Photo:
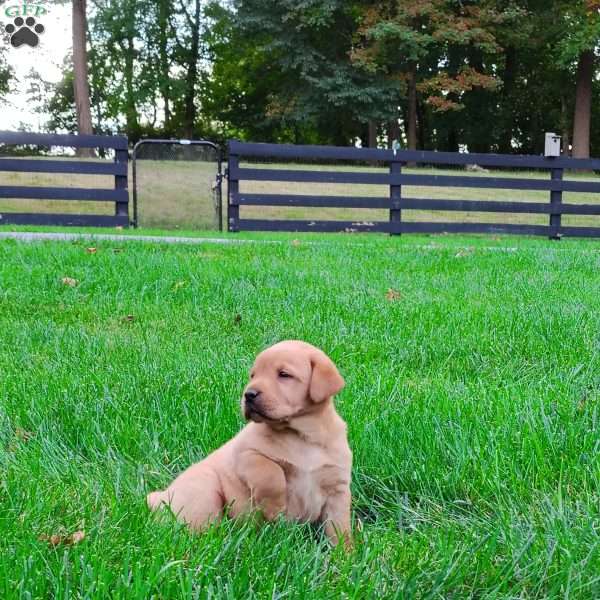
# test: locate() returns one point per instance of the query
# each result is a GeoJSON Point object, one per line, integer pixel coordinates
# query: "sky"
{"type": "Point", "coordinates": [46, 58]}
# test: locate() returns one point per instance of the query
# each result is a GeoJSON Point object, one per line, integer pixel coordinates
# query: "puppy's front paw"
{"type": "Point", "coordinates": [156, 499]}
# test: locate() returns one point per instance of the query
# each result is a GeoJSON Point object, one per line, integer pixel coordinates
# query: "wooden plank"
{"type": "Point", "coordinates": [17, 165]}
{"type": "Point", "coordinates": [66, 140]}
{"type": "Point", "coordinates": [395, 198]}
{"type": "Point", "coordinates": [497, 228]}
{"type": "Point", "coordinates": [475, 205]}
{"type": "Point", "coordinates": [122, 204]}
{"type": "Point", "coordinates": [361, 177]}
{"type": "Point", "coordinates": [305, 200]}
{"type": "Point", "coordinates": [56, 193]}
{"type": "Point", "coordinates": [509, 183]}
{"type": "Point", "coordinates": [378, 226]}
{"type": "Point", "coordinates": [233, 209]}
{"type": "Point", "coordinates": [555, 205]}
{"type": "Point", "coordinates": [376, 202]}
{"type": "Point", "coordinates": [317, 226]}
{"type": "Point", "coordinates": [248, 149]}
{"type": "Point", "coordinates": [580, 209]}
{"type": "Point", "coordinates": [290, 151]}
{"type": "Point", "coordinates": [7, 218]}
{"type": "Point", "coordinates": [305, 176]}
{"type": "Point", "coordinates": [580, 231]}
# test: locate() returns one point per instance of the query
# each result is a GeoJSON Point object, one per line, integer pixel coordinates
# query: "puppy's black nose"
{"type": "Point", "coordinates": [250, 395]}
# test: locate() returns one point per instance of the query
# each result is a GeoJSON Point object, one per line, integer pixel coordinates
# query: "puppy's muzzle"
{"type": "Point", "coordinates": [252, 407]}
{"type": "Point", "coordinates": [250, 395]}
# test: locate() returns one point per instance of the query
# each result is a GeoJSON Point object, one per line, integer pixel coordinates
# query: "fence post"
{"type": "Point", "coordinates": [121, 208]}
{"type": "Point", "coordinates": [395, 197]}
{"type": "Point", "coordinates": [233, 188]}
{"type": "Point", "coordinates": [555, 205]}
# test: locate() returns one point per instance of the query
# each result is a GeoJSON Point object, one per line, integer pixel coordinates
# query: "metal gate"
{"type": "Point", "coordinates": [177, 184]}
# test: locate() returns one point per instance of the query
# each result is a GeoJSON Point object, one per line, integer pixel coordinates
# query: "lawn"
{"type": "Point", "coordinates": [472, 399]}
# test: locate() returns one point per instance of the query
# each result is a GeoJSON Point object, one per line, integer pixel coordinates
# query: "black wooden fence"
{"type": "Point", "coordinates": [395, 202]}
{"type": "Point", "coordinates": [117, 168]}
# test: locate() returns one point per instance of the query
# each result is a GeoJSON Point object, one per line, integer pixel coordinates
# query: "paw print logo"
{"type": "Point", "coordinates": [24, 31]}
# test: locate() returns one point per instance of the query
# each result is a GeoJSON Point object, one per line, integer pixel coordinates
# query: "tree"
{"type": "Point", "coordinates": [190, 61]}
{"type": "Point", "coordinates": [437, 48]}
{"type": "Point", "coordinates": [479, 73]}
{"type": "Point", "coordinates": [5, 74]}
{"type": "Point", "coordinates": [125, 73]}
{"type": "Point", "coordinates": [289, 76]}
{"type": "Point", "coordinates": [165, 31]}
{"type": "Point", "coordinates": [80, 71]}
{"type": "Point", "coordinates": [582, 34]}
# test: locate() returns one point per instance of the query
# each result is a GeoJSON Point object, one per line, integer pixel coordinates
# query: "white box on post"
{"type": "Point", "coordinates": [552, 145]}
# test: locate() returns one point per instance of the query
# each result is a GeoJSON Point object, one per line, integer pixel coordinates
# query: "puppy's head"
{"type": "Point", "coordinates": [287, 380]}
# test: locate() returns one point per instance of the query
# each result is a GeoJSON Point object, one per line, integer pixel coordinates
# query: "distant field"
{"type": "Point", "coordinates": [178, 195]}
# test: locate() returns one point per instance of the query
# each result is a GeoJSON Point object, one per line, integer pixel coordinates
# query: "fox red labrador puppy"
{"type": "Point", "coordinates": [291, 459]}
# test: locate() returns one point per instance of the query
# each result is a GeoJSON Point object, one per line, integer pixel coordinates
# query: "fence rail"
{"type": "Point", "coordinates": [118, 169]}
{"type": "Point", "coordinates": [395, 202]}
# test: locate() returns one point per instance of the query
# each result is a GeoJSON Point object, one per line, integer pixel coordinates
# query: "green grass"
{"type": "Point", "coordinates": [473, 405]}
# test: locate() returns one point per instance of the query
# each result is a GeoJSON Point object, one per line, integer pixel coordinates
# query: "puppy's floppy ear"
{"type": "Point", "coordinates": [325, 380]}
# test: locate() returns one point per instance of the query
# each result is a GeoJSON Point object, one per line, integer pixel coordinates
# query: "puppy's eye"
{"type": "Point", "coordinates": [252, 375]}
{"type": "Point", "coordinates": [284, 374]}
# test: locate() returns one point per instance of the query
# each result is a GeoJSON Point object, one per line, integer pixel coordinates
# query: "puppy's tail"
{"type": "Point", "coordinates": [156, 499]}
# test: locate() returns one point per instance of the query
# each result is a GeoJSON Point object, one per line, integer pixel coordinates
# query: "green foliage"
{"type": "Point", "coordinates": [5, 76]}
{"type": "Point", "coordinates": [581, 29]}
{"type": "Point", "coordinates": [490, 75]}
{"type": "Point", "coordinates": [281, 71]}
{"type": "Point", "coordinates": [61, 104]}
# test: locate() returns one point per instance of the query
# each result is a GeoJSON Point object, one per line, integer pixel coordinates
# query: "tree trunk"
{"type": "Point", "coordinates": [583, 105]}
{"type": "Point", "coordinates": [565, 126]}
{"type": "Point", "coordinates": [423, 133]}
{"type": "Point", "coordinates": [393, 132]}
{"type": "Point", "coordinates": [506, 110]}
{"type": "Point", "coordinates": [80, 74]}
{"type": "Point", "coordinates": [452, 140]}
{"type": "Point", "coordinates": [372, 134]}
{"type": "Point", "coordinates": [192, 75]}
{"type": "Point", "coordinates": [411, 126]}
{"type": "Point", "coordinates": [478, 107]}
{"type": "Point", "coordinates": [128, 57]}
{"type": "Point", "coordinates": [165, 86]}
{"type": "Point", "coordinates": [131, 115]}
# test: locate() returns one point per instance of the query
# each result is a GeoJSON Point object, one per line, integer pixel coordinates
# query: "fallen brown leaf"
{"type": "Point", "coordinates": [128, 318]}
{"type": "Point", "coordinates": [65, 540]}
{"type": "Point", "coordinates": [91, 250]}
{"type": "Point", "coordinates": [392, 295]}
{"type": "Point", "coordinates": [22, 434]}
{"type": "Point", "coordinates": [70, 281]}
{"type": "Point", "coordinates": [464, 252]}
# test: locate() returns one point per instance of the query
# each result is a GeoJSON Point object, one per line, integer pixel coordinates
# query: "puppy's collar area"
{"type": "Point", "coordinates": [286, 420]}
{"type": "Point", "coordinates": [314, 431]}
